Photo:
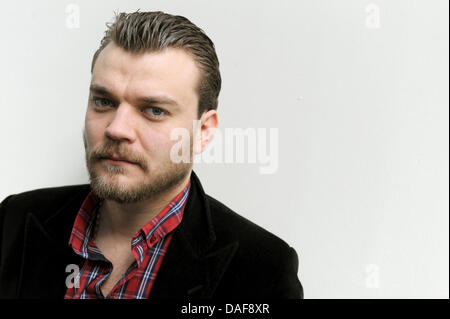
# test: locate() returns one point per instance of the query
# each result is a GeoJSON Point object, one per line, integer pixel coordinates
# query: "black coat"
{"type": "Point", "coordinates": [214, 253]}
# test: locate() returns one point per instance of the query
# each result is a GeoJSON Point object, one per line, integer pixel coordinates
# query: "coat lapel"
{"type": "Point", "coordinates": [193, 265]}
{"type": "Point", "coordinates": [183, 273]}
{"type": "Point", "coordinates": [46, 252]}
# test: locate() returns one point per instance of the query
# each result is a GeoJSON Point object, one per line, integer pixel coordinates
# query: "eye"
{"type": "Point", "coordinates": [155, 112]}
{"type": "Point", "coordinates": [101, 102]}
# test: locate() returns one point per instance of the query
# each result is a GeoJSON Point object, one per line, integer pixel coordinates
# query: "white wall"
{"type": "Point", "coordinates": [361, 107]}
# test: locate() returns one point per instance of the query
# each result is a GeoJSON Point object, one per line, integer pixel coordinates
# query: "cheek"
{"type": "Point", "coordinates": [93, 131]}
{"type": "Point", "coordinates": [158, 144]}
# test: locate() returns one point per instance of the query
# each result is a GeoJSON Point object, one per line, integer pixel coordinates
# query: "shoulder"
{"type": "Point", "coordinates": [264, 265]}
{"type": "Point", "coordinates": [41, 202]}
{"type": "Point", "coordinates": [45, 196]}
{"type": "Point", "coordinates": [231, 226]}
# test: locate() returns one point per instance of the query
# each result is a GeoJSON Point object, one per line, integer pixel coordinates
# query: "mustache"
{"type": "Point", "coordinates": [106, 152]}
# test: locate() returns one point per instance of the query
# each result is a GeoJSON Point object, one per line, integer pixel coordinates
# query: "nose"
{"type": "Point", "coordinates": [121, 127]}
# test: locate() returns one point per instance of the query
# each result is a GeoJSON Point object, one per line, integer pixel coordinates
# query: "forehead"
{"type": "Point", "coordinates": [171, 72]}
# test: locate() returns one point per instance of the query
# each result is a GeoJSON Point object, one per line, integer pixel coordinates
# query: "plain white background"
{"type": "Point", "coordinates": [357, 89]}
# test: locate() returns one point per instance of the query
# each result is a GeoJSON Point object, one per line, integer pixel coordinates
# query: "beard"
{"type": "Point", "coordinates": [108, 187]}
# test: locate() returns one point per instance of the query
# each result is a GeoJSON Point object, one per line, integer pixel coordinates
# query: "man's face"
{"type": "Point", "coordinates": [135, 102]}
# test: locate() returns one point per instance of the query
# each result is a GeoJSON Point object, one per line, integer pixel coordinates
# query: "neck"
{"type": "Point", "coordinates": [122, 221]}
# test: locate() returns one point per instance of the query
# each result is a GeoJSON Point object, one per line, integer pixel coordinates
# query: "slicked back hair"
{"type": "Point", "coordinates": [141, 32]}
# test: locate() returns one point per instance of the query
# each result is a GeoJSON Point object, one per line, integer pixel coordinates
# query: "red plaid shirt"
{"type": "Point", "coordinates": [148, 246]}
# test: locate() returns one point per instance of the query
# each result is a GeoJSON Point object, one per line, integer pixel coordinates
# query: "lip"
{"type": "Point", "coordinates": [117, 161]}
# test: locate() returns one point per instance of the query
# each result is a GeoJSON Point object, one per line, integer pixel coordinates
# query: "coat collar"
{"type": "Point", "coordinates": [192, 266]}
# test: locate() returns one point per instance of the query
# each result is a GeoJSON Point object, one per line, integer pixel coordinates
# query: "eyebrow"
{"type": "Point", "coordinates": [155, 99]}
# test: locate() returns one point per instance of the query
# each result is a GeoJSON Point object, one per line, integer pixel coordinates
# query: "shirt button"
{"type": "Point", "coordinates": [152, 239]}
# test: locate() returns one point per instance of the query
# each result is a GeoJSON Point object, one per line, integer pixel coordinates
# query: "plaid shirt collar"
{"type": "Point", "coordinates": [162, 224]}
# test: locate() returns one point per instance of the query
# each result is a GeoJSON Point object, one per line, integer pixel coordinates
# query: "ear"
{"type": "Point", "coordinates": [205, 131]}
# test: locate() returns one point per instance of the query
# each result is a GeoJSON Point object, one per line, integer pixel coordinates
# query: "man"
{"type": "Point", "coordinates": [143, 227]}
